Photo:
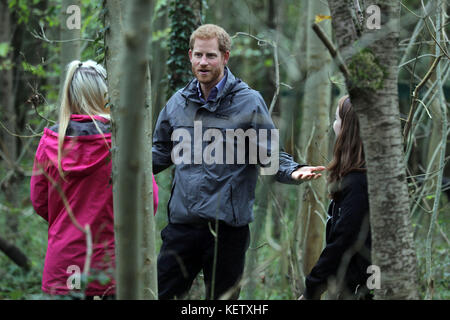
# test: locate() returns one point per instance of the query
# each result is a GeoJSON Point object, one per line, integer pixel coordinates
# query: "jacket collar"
{"type": "Point", "coordinates": [231, 85]}
{"type": "Point", "coordinates": [85, 118]}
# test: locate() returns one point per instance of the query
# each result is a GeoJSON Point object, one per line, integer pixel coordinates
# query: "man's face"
{"type": "Point", "coordinates": [207, 61]}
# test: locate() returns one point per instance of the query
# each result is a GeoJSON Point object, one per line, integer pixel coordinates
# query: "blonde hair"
{"type": "Point", "coordinates": [84, 92]}
{"type": "Point", "coordinates": [210, 31]}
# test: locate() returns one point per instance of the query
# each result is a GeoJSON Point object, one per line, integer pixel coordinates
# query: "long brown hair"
{"type": "Point", "coordinates": [348, 154]}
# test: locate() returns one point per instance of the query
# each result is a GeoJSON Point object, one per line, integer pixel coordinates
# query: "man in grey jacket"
{"type": "Point", "coordinates": [218, 133]}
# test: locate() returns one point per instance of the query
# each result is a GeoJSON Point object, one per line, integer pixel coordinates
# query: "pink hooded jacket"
{"type": "Point", "coordinates": [86, 162]}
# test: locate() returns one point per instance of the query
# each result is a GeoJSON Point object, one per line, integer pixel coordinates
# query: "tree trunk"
{"type": "Point", "coordinates": [150, 274]}
{"type": "Point", "coordinates": [114, 24]}
{"type": "Point", "coordinates": [376, 102]}
{"type": "Point", "coordinates": [314, 135]}
{"type": "Point", "coordinates": [8, 117]}
{"type": "Point", "coordinates": [128, 219]}
{"type": "Point", "coordinates": [251, 275]}
{"type": "Point", "coordinates": [70, 50]}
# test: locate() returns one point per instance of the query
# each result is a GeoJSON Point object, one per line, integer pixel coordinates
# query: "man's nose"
{"type": "Point", "coordinates": [203, 60]}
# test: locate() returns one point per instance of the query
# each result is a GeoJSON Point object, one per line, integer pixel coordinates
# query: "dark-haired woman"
{"type": "Point", "coordinates": [342, 265]}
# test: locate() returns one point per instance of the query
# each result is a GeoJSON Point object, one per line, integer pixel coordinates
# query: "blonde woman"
{"type": "Point", "coordinates": [72, 176]}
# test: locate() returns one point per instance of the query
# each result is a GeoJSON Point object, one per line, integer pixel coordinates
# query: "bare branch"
{"type": "Point", "coordinates": [415, 95]}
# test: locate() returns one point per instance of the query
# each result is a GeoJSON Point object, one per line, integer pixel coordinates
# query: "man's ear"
{"type": "Point", "coordinates": [226, 56]}
{"type": "Point", "coordinates": [190, 55]}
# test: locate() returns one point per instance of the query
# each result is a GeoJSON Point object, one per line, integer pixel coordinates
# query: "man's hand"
{"type": "Point", "coordinates": [307, 173]}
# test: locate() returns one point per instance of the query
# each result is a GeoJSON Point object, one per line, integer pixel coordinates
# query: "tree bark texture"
{"type": "Point", "coordinates": [128, 218]}
{"type": "Point", "coordinates": [314, 135]}
{"type": "Point", "coordinates": [375, 99]}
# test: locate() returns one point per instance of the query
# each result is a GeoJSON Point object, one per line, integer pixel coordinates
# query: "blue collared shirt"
{"type": "Point", "coordinates": [215, 91]}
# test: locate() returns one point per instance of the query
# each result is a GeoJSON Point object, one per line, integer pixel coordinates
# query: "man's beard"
{"type": "Point", "coordinates": [212, 78]}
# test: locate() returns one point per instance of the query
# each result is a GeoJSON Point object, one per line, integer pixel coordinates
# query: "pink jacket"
{"type": "Point", "coordinates": [87, 164]}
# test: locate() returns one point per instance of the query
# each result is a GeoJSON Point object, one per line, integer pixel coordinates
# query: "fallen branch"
{"type": "Point", "coordinates": [15, 254]}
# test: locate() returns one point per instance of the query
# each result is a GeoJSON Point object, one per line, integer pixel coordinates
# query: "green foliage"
{"type": "Point", "coordinates": [15, 283]}
{"type": "Point", "coordinates": [22, 9]}
{"type": "Point", "coordinates": [93, 28]}
{"type": "Point", "coordinates": [182, 24]}
{"type": "Point", "coordinates": [5, 63]}
{"type": "Point", "coordinates": [366, 71]}
{"type": "Point", "coordinates": [35, 70]}
{"type": "Point", "coordinates": [4, 49]}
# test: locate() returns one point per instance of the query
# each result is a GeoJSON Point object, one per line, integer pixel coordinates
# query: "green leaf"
{"type": "Point", "coordinates": [4, 49]}
{"type": "Point", "coordinates": [268, 63]}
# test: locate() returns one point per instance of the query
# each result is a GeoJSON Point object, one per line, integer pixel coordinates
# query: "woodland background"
{"type": "Point", "coordinates": [276, 52]}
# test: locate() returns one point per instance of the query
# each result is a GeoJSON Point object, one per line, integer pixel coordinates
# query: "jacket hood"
{"type": "Point", "coordinates": [231, 87]}
{"type": "Point", "coordinates": [84, 150]}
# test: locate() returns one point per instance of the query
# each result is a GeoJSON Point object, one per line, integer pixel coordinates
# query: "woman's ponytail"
{"type": "Point", "coordinates": [84, 92]}
{"type": "Point", "coordinates": [65, 110]}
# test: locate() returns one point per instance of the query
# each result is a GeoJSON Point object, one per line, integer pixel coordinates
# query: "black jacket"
{"type": "Point", "coordinates": [202, 191]}
{"type": "Point", "coordinates": [346, 255]}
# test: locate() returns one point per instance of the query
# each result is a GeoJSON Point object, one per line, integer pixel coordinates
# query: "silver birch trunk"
{"type": "Point", "coordinates": [375, 99]}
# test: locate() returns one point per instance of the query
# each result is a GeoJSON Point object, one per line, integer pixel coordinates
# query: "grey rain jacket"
{"type": "Point", "coordinates": [208, 191]}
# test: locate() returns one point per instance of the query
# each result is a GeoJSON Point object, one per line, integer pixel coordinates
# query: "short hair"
{"type": "Point", "coordinates": [210, 31]}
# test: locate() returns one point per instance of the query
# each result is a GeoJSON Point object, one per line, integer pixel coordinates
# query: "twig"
{"type": "Point", "coordinates": [277, 77]}
{"type": "Point", "coordinates": [18, 135]}
{"type": "Point", "coordinates": [416, 58]}
{"type": "Point", "coordinates": [274, 45]}
{"type": "Point", "coordinates": [444, 52]}
{"type": "Point", "coordinates": [34, 101]}
{"type": "Point", "coordinates": [416, 93]}
{"type": "Point", "coordinates": [334, 53]}
{"type": "Point", "coordinates": [44, 37]}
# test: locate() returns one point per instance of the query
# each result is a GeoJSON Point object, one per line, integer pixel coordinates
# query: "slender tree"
{"type": "Point", "coordinates": [70, 35]}
{"type": "Point", "coordinates": [150, 280]}
{"type": "Point", "coordinates": [8, 114]}
{"type": "Point", "coordinates": [127, 218]}
{"type": "Point", "coordinates": [314, 135]}
{"type": "Point", "coordinates": [114, 20]}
